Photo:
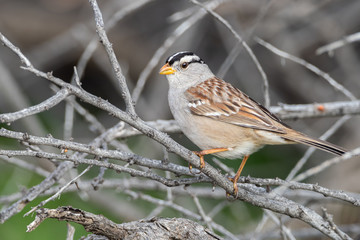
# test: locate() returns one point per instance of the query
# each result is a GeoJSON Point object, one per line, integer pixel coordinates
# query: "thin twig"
{"type": "Point", "coordinates": [25, 165]}
{"type": "Point", "coordinates": [321, 167]}
{"type": "Point", "coordinates": [284, 230]}
{"type": "Point", "coordinates": [24, 60]}
{"type": "Point", "coordinates": [154, 164]}
{"type": "Point", "coordinates": [205, 218]}
{"type": "Point", "coordinates": [181, 29]}
{"type": "Point", "coordinates": [330, 219]}
{"type": "Point", "coordinates": [70, 232]}
{"type": "Point", "coordinates": [246, 46]}
{"type": "Point", "coordinates": [99, 23]}
{"type": "Point", "coordinates": [249, 193]}
{"type": "Point", "coordinates": [309, 66]}
{"type": "Point", "coordinates": [56, 195]}
{"type": "Point", "coordinates": [337, 44]}
{"type": "Point", "coordinates": [337, 194]}
{"type": "Point", "coordinates": [41, 107]}
{"type": "Point", "coordinates": [308, 152]}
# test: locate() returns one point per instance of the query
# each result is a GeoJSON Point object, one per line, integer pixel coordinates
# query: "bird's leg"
{"type": "Point", "coordinates": [202, 153]}
{"type": "Point", "coordinates": [237, 175]}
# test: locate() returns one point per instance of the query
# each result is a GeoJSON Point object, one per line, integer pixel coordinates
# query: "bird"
{"type": "Point", "coordinates": [222, 120]}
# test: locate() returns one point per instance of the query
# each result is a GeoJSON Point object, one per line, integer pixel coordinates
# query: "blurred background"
{"type": "Point", "coordinates": [53, 34]}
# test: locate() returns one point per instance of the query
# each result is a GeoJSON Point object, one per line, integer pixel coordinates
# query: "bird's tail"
{"type": "Point", "coordinates": [320, 144]}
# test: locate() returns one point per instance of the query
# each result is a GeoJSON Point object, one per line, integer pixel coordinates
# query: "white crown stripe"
{"type": "Point", "coordinates": [176, 54]}
{"type": "Point", "coordinates": [189, 58]}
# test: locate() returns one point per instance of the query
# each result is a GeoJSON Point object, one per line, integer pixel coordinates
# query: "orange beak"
{"type": "Point", "coordinates": [166, 70]}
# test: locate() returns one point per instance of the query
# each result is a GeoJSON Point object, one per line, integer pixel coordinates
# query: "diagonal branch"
{"type": "Point", "coordinates": [246, 46]}
{"type": "Point", "coordinates": [249, 193]}
{"type": "Point", "coordinates": [99, 23]}
{"type": "Point", "coordinates": [309, 66]}
{"type": "Point", "coordinates": [41, 107]}
{"type": "Point", "coordinates": [337, 44]}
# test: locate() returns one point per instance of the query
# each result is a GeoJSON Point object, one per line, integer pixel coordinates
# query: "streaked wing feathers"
{"type": "Point", "coordinates": [230, 105]}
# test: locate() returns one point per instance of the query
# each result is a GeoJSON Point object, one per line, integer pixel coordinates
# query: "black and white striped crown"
{"type": "Point", "coordinates": [189, 56]}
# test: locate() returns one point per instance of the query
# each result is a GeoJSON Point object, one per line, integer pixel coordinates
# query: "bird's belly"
{"type": "Point", "coordinates": [240, 151]}
{"type": "Point", "coordinates": [209, 134]}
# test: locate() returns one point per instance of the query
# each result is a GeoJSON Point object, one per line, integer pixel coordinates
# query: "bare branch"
{"type": "Point", "coordinates": [25, 165]}
{"type": "Point", "coordinates": [34, 192]}
{"type": "Point", "coordinates": [132, 172]}
{"type": "Point", "coordinates": [70, 232]}
{"type": "Point", "coordinates": [338, 194]}
{"type": "Point", "coordinates": [284, 111]}
{"type": "Point", "coordinates": [56, 195]}
{"type": "Point", "coordinates": [99, 23]}
{"type": "Point", "coordinates": [330, 109]}
{"type": "Point", "coordinates": [89, 149]}
{"type": "Point", "coordinates": [329, 218]}
{"type": "Point", "coordinates": [246, 46]}
{"type": "Point", "coordinates": [249, 194]}
{"type": "Point", "coordinates": [326, 164]}
{"type": "Point", "coordinates": [305, 233]}
{"type": "Point", "coordinates": [24, 60]}
{"type": "Point", "coordinates": [309, 66]}
{"type": "Point", "coordinates": [176, 228]}
{"type": "Point", "coordinates": [310, 151]}
{"type": "Point", "coordinates": [181, 29]}
{"type": "Point", "coordinates": [337, 44]}
{"type": "Point", "coordinates": [135, 174]}
{"type": "Point", "coordinates": [43, 106]}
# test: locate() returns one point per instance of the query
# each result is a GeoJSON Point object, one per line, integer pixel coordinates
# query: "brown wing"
{"type": "Point", "coordinates": [230, 105]}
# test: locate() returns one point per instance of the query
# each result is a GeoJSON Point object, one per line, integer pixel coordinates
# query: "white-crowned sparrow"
{"type": "Point", "coordinates": [222, 120]}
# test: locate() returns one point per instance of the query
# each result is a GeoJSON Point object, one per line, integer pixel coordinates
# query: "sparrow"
{"type": "Point", "coordinates": [222, 120]}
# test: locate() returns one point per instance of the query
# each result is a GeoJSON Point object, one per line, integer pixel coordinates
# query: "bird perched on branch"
{"type": "Point", "coordinates": [220, 119]}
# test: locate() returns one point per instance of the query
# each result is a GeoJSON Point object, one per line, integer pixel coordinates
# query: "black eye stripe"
{"type": "Point", "coordinates": [185, 65]}
{"type": "Point", "coordinates": [193, 61]}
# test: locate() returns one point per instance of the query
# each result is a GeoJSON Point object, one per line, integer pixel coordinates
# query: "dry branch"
{"type": "Point", "coordinates": [162, 173]}
{"type": "Point", "coordinates": [248, 193]}
{"type": "Point", "coordinates": [162, 228]}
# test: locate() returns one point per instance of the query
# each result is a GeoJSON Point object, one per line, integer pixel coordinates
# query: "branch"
{"type": "Point", "coordinates": [203, 192]}
{"type": "Point", "coordinates": [284, 111]}
{"type": "Point", "coordinates": [248, 193]}
{"type": "Point", "coordinates": [309, 66]}
{"type": "Point", "coordinates": [180, 30]}
{"type": "Point", "coordinates": [84, 148]}
{"type": "Point", "coordinates": [176, 228]}
{"type": "Point", "coordinates": [99, 23]}
{"type": "Point", "coordinates": [24, 60]}
{"type": "Point", "coordinates": [93, 44]}
{"type": "Point", "coordinates": [180, 209]}
{"type": "Point", "coordinates": [25, 165]}
{"type": "Point", "coordinates": [118, 168]}
{"type": "Point", "coordinates": [337, 194]}
{"type": "Point", "coordinates": [44, 106]}
{"type": "Point", "coordinates": [329, 109]}
{"type": "Point", "coordinates": [304, 233]}
{"type": "Point", "coordinates": [337, 44]}
{"type": "Point", "coordinates": [32, 193]}
{"type": "Point", "coordinates": [321, 167]}
{"type": "Point", "coordinates": [245, 45]}
{"type": "Point", "coordinates": [58, 193]}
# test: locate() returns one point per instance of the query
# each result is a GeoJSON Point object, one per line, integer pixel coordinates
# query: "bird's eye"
{"type": "Point", "coordinates": [184, 65]}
